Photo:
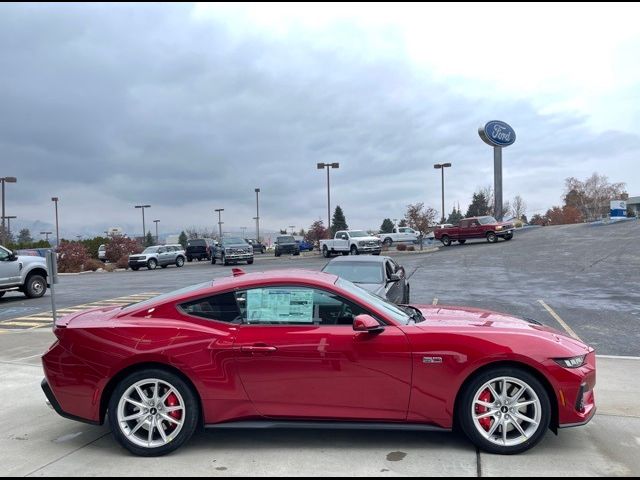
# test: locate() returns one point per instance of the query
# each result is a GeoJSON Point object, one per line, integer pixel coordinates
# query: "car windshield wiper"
{"type": "Point", "coordinates": [414, 313]}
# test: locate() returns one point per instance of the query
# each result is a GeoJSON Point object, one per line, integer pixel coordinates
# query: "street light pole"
{"type": "Point", "coordinates": [4, 180]}
{"type": "Point", "coordinates": [442, 166]}
{"type": "Point", "coordinates": [257, 218]}
{"type": "Point", "coordinates": [46, 234]}
{"type": "Point", "coordinates": [144, 228]}
{"type": "Point", "coordinates": [55, 200]}
{"type": "Point", "coordinates": [328, 166]}
{"type": "Point", "coordinates": [157, 239]}
{"type": "Point", "coordinates": [220, 210]}
{"type": "Point", "coordinates": [9, 218]}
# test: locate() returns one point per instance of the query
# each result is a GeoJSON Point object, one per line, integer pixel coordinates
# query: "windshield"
{"type": "Point", "coordinates": [356, 272]}
{"type": "Point", "coordinates": [164, 296]}
{"type": "Point", "coordinates": [151, 250]}
{"type": "Point", "coordinates": [374, 300]}
{"type": "Point", "coordinates": [357, 233]}
{"type": "Point", "coordinates": [487, 220]}
{"type": "Point", "coordinates": [286, 239]}
{"type": "Point", "coordinates": [232, 240]}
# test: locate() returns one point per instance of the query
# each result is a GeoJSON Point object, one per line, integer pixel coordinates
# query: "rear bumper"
{"type": "Point", "coordinates": [53, 403]}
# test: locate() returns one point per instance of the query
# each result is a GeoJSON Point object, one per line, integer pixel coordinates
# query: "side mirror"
{"type": "Point", "coordinates": [366, 323]}
{"type": "Point", "coordinates": [394, 277]}
{"type": "Point", "coordinates": [12, 257]}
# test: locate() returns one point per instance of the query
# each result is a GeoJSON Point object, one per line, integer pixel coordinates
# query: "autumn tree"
{"type": "Point", "coordinates": [591, 197]}
{"type": "Point", "coordinates": [420, 218]}
{"type": "Point", "coordinates": [316, 232]}
{"type": "Point", "coordinates": [563, 215]}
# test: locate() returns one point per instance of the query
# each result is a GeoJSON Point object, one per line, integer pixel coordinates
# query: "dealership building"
{"type": "Point", "coordinates": [633, 205]}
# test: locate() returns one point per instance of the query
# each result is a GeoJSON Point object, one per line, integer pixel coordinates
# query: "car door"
{"type": "Point", "coordinates": [299, 357]}
{"type": "Point", "coordinates": [341, 241]}
{"type": "Point", "coordinates": [9, 269]}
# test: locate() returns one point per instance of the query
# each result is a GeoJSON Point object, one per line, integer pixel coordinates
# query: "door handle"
{"type": "Point", "coordinates": [257, 349]}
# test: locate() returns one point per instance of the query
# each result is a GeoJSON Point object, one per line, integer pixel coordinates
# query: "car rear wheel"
{"type": "Point", "coordinates": [152, 264]}
{"type": "Point", "coordinates": [180, 261]}
{"type": "Point", "coordinates": [504, 410]}
{"type": "Point", "coordinates": [153, 412]}
{"type": "Point", "coordinates": [491, 237]}
{"type": "Point", "coordinates": [325, 251]}
{"type": "Point", "coordinates": [35, 286]}
{"type": "Point", "coordinates": [446, 241]}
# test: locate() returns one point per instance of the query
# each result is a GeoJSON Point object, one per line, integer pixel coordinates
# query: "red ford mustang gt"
{"type": "Point", "coordinates": [311, 350]}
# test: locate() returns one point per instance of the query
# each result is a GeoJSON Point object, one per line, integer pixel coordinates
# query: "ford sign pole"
{"type": "Point", "coordinates": [52, 269]}
{"type": "Point", "coordinates": [497, 134]}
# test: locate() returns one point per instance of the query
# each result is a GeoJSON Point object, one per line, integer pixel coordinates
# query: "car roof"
{"type": "Point", "coordinates": [361, 259]}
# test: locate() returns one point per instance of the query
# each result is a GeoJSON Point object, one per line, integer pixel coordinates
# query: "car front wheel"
{"type": "Point", "coordinates": [180, 261]}
{"type": "Point", "coordinates": [354, 250]}
{"type": "Point", "coordinates": [446, 241]}
{"type": "Point", "coordinates": [504, 410]}
{"type": "Point", "coordinates": [35, 286]}
{"type": "Point", "coordinates": [153, 412]}
{"type": "Point", "coordinates": [152, 264]}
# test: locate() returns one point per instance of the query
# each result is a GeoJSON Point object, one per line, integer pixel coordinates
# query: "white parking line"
{"type": "Point", "coordinates": [617, 357]}
{"type": "Point", "coordinates": [568, 329]}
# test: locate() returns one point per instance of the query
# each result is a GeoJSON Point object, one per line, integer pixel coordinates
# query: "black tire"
{"type": "Point", "coordinates": [189, 259]}
{"type": "Point", "coordinates": [190, 419]}
{"type": "Point", "coordinates": [250, 262]}
{"type": "Point", "coordinates": [263, 250]}
{"type": "Point", "coordinates": [345, 253]}
{"type": "Point", "coordinates": [354, 250]}
{"type": "Point", "coordinates": [492, 237]}
{"type": "Point", "coordinates": [35, 286]}
{"type": "Point", "coordinates": [462, 242]}
{"type": "Point", "coordinates": [465, 413]}
{"type": "Point", "coordinates": [388, 241]}
{"type": "Point", "coordinates": [213, 259]}
{"type": "Point", "coordinates": [325, 252]}
{"type": "Point", "coordinates": [152, 264]}
{"type": "Point", "coordinates": [224, 260]}
{"type": "Point", "coordinates": [2, 294]}
{"type": "Point", "coordinates": [135, 269]}
{"type": "Point", "coordinates": [277, 253]}
{"type": "Point", "coordinates": [446, 241]}
{"type": "Point", "coordinates": [180, 261]}
{"type": "Point", "coordinates": [508, 237]}
{"type": "Point", "coordinates": [375, 253]}
{"type": "Point", "coordinates": [164, 266]}
{"type": "Point", "coordinates": [296, 253]}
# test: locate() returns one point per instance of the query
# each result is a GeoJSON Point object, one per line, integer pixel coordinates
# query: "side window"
{"type": "Point", "coordinates": [464, 223]}
{"type": "Point", "coordinates": [389, 268]}
{"type": "Point", "coordinates": [295, 306]}
{"type": "Point", "coordinates": [4, 255]}
{"type": "Point", "coordinates": [223, 308]}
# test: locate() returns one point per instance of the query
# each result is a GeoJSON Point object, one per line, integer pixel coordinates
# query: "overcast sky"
{"type": "Point", "coordinates": [190, 107]}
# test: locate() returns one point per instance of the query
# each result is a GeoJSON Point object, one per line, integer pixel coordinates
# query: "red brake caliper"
{"type": "Point", "coordinates": [486, 421]}
{"type": "Point", "coordinates": [172, 401]}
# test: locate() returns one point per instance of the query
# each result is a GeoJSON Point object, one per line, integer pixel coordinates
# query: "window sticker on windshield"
{"type": "Point", "coordinates": [279, 305]}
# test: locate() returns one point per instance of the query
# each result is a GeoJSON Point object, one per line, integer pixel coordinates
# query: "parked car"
{"type": "Point", "coordinates": [24, 273]}
{"type": "Point", "coordinates": [102, 253]}
{"type": "Point", "coordinates": [352, 242]}
{"type": "Point", "coordinates": [486, 227]}
{"type": "Point", "coordinates": [232, 249]}
{"type": "Point", "coordinates": [303, 245]}
{"type": "Point", "coordinates": [258, 247]}
{"type": "Point", "coordinates": [377, 274]}
{"type": "Point", "coordinates": [298, 348]}
{"type": "Point", "coordinates": [198, 248]}
{"type": "Point", "coordinates": [159, 255]}
{"type": "Point", "coordinates": [286, 244]}
{"type": "Point", "coordinates": [400, 234]}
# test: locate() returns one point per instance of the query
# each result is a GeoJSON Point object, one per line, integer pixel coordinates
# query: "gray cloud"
{"type": "Point", "coordinates": [107, 106]}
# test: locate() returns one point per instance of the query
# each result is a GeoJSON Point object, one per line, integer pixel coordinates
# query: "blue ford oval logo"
{"type": "Point", "coordinates": [497, 134]}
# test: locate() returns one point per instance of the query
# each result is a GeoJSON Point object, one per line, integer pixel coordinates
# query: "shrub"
{"type": "Point", "coordinates": [119, 247]}
{"type": "Point", "coordinates": [109, 267]}
{"type": "Point", "coordinates": [401, 247]}
{"type": "Point", "coordinates": [411, 248]}
{"type": "Point", "coordinates": [71, 257]}
{"type": "Point", "coordinates": [93, 265]}
{"type": "Point", "coordinates": [123, 262]}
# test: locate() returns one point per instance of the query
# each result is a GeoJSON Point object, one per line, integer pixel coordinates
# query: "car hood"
{"type": "Point", "coordinates": [465, 317]}
{"type": "Point", "coordinates": [377, 288]}
{"type": "Point", "coordinates": [236, 245]}
{"type": "Point", "coordinates": [369, 238]}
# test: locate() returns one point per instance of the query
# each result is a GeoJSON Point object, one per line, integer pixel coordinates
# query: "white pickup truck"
{"type": "Point", "coordinates": [399, 234]}
{"type": "Point", "coordinates": [23, 273]}
{"type": "Point", "coordinates": [352, 242]}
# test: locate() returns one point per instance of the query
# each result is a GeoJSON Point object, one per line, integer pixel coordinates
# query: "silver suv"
{"type": "Point", "coordinates": [26, 274]}
{"type": "Point", "coordinates": [159, 255]}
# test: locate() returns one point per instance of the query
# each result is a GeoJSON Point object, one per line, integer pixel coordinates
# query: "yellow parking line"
{"type": "Point", "coordinates": [559, 320]}
{"type": "Point", "coordinates": [435, 301]}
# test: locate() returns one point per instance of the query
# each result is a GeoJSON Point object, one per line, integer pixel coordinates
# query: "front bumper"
{"type": "Point", "coordinates": [137, 263]}
{"type": "Point", "coordinates": [370, 249]}
{"type": "Point", "coordinates": [504, 233]}
{"type": "Point", "coordinates": [576, 400]}
{"type": "Point", "coordinates": [238, 256]}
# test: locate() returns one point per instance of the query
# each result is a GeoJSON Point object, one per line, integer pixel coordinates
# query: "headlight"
{"type": "Point", "coordinates": [361, 244]}
{"type": "Point", "coordinates": [573, 362]}
{"type": "Point", "coordinates": [499, 227]}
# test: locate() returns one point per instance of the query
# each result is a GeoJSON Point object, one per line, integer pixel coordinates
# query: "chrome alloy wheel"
{"type": "Point", "coordinates": [506, 411]}
{"type": "Point", "coordinates": [151, 413]}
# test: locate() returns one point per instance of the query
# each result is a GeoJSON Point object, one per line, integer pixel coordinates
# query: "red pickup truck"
{"type": "Point", "coordinates": [475, 227]}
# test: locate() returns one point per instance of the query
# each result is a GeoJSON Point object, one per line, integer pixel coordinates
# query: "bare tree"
{"type": "Point", "coordinates": [591, 197]}
{"type": "Point", "coordinates": [519, 207]}
{"type": "Point", "coordinates": [420, 218]}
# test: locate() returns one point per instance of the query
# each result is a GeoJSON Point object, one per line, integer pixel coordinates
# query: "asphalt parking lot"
{"type": "Point", "coordinates": [579, 278]}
